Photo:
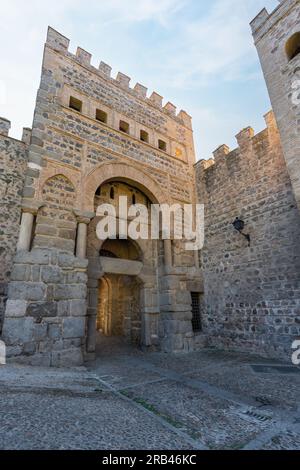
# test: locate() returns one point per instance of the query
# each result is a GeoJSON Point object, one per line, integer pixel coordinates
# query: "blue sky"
{"type": "Point", "coordinates": [198, 54]}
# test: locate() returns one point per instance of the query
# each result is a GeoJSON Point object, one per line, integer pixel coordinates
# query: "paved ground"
{"type": "Point", "coordinates": [129, 399]}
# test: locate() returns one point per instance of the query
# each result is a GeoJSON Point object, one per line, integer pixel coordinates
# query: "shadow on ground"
{"type": "Point", "coordinates": [131, 399]}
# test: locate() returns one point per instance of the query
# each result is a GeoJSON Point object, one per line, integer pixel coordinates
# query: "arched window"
{"type": "Point", "coordinates": [292, 46]}
{"type": "Point", "coordinates": [112, 193]}
{"type": "Point", "coordinates": [133, 199]}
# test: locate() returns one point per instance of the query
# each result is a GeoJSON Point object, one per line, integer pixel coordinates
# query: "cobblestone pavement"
{"type": "Point", "coordinates": [128, 399]}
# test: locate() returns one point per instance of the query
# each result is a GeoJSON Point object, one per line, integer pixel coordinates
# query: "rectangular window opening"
{"type": "Point", "coordinates": [75, 104]}
{"type": "Point", "coordinates": [101, 116]}
{"type": "Point", "coordinates": [124, 127]}
{"type": "Point", "coordinates": [144, 136]}
{"type": "Point", "coordinates": [162, 145]}
{"type": "Point", "coordinates": [196, 311]}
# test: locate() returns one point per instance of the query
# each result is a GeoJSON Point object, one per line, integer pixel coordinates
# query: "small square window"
{"type": "Point", "coordinates": [75, 104]}
{"type": "Point", "coordinates": [162, 145]}
{"type": "Point", "coordinates": [101, 116]}
{"type": "Point", "coordinates": [124, 127]}
{"type": "Point", "coordinates": [144, 136]}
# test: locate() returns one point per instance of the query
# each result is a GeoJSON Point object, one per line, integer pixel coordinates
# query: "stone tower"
{"type": "Point", "coordinates": [277, 39]}
{"type": "Point", "coordinates": [95, 138]}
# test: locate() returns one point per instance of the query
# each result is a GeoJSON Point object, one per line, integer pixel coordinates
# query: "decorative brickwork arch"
{"type": "Point", "coordinates": [126, 173]}
{"type": "Point", "coordinates": [55, 221]}
{"type": "Point", "coordinates": [53, 171]}
{"type": "Point", "coordinates": [59, 191]}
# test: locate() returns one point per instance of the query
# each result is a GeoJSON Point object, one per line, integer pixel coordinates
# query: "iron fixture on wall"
{"type": "Point", "coordinates": [239, 225]}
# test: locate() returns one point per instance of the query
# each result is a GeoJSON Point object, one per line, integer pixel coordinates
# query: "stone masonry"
{"type": "Point", "coordinates": [13, 161]}
{"type": "Point", "coordinates": [252, 293]}
{"type": "Point", "coordinates": [42, 324]}
{"type": "Point", "coordinates": [90, 130]}
{"type": "Point", "coordinates": [95, 138]}
{"type": "Point", "coordinates": [273, 34]}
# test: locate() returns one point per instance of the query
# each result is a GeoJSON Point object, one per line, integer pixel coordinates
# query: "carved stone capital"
{"type": "Point", "coordinates": [31, 206]}
{"type": "Point", "coordinates": [83, 217]}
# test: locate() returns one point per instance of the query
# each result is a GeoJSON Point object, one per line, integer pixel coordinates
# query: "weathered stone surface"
{"type": "Point", "coordinates": [13, 351]}
{"type": "Point", "coordinates": [51, 275]}
{"type": "Point", "coordinates": [36, 256]}
{"type": "Point", "coordinates": [16, 308]}
{"type": "Point", "coordinates": [67, 358]}
{"type": "Point", "coordinates": [13, 161]}
{"type": "Point", "coordinates": [77, 308]}
{"type": "Point", "coordinates": [54, 331]}
{"type": "Point", "coordinates": [70, 291]}
{"type": "Point", "coordinates": [20, 272]}
{"type": "Point", "coordinates": [250, 292]}
{"type": "Point", "coordinates": [66, 260]}
{"type": "Point", "coordinates": [76, 277]}
{"type": "Point", "coordinates": [26, 291]}
{"type": "Point", "coordinates": [18, 330]}
{"type": "Point", "coordinates": [42, 309]}
{"type": "Point", "coordinates": [73, 327]}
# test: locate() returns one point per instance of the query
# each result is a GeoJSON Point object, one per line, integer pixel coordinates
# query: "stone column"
{"type": "Point", "coordinates": [83, 219]}
{"type": "Point", "coordinates": [25, 234]}
{"type": "Point", "coordinates": [81, 240]}
{"type": "Point", "coordinates": [168, 253]}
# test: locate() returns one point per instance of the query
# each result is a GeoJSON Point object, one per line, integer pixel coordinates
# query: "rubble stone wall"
{"type": "Point", "coordinates": [252, 293]}
{"type": "Point", "coordinates": [13, 162]}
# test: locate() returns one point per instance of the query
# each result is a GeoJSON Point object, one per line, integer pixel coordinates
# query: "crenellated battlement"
{"type": "Point", "coordinates": [61, 44]}
{"type": "Point", "coordinates": [5, 126]}
{"type": "Point", "coordinates": [245, 138]}
{"type": "Point", "coordinates": [265, 20]}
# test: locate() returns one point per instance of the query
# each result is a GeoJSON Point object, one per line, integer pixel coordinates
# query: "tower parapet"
{"type": "Point", "coordinates": [264, 21]}
{"type": "Point", "coordinates": [5, 126]}
{"type": "Point", "coordinates": [246, 140]}
{"type": "Point", "coordinates": [60, 43]}
{"type": "Point", "coordinates": [277, 39]}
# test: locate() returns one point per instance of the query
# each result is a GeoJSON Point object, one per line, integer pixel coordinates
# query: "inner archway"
{"type": "Point", "coordinates": [121, 249]}
{"type": "Point", "coordinates": [119, 308]}
{"type": "Point", "coordinates": [123, 286]}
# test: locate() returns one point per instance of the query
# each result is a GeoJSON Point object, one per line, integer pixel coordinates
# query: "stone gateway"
{"type": "Point", "coordinates": [94, 139]}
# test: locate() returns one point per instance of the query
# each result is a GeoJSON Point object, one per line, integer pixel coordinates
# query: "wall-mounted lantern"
{"type": "Point", "coordinates": [239, 225]}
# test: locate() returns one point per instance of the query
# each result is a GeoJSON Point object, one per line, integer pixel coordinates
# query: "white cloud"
{"type": "Point", "coordinates": [216, 46]}
{"type": "Point", "coordinates": [140, 10]}
{"type": "Point", "coordinates": [201, 42]}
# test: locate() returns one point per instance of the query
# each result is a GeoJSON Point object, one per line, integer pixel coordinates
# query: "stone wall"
{"type": "Point", "coordinates": [13, 162]}
{"type": "Point", "coordinates": [45, 317]}
{"type": "Point", "coordinates": [252, 294]}
{"type": "Point", "coordinates": [56, 222]}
